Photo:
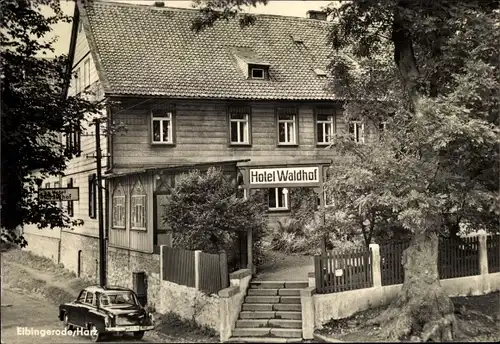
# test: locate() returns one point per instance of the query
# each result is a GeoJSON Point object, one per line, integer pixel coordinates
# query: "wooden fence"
{"type": "Point", "coordinates": [213, 272]}
{"type": "Point", "coordinates": [493, 249]}
{"type": "Point", "coordinates": [458, 257]}
{"type": "Point", "coordinates": [391, 269]}
{"type": "Point", "coordinates": [178, 266]}
{"type": "Point", "coordinates": [196, 269]}
{"type": "Point", "coordinates": [336, 272]}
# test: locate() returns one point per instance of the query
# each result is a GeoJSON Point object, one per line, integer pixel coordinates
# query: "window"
{"type": "Point", "coordinates": [382, 127]}
{"type": "Point", "coordinates": [119, 208]}
{"type": "Point", "coordinates": [56, 185]}
{"type": "Point", "coordinates": [239, 124]}
{"type": "Point", "coordinates": [70, 207]}
{"type": "Point", "coordinates": [356, 131]}
{"type": "Point", "coordinates": [287, 127]}
{"type": "Point", "coordinates": [138, 207]}
{"type": "Point", "coordinates": [325, 127]}
{"type": "Point", "coordinates": [92, 196]}
{"type": "Point", "coordinates": [162, 126]}
{"type": "Point", "coordinates": [278, 199]}
{"type": "Point", "coordinates": [90, 298]}
{"type": "Point", "coordinates": [328, 198]}
{"type": "Point", "coordinates": [77, 81]}
{"type": "Point", "coordinates": [86, 73]}
{"type": "Point", "coordinates": [73, 142]}
{"type": "Point", "coordinates": [82, 296]}
{"type": "Point", "coordinates": [47, 185]}
{"type": "Point", "coordinates": [258, 73]}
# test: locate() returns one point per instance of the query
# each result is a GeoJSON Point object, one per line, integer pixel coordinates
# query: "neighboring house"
{"type": "Point", "coordinates": [190, 100]}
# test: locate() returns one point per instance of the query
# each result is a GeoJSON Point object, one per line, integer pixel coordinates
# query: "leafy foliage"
{"type": "Point", "coordinates": [35, 112]}
{"type": "Point", "coordinates": [204, 213]}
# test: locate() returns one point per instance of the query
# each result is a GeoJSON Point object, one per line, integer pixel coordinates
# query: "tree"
{"type": "Point", "coordinates": [429, 69]}
{"type": "Point", "coordinates": [35, 112]}
{"type": "Point", "coordinates": [205, 213]}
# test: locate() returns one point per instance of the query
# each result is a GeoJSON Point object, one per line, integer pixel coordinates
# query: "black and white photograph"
{"type": "Point", "coordinates": [250, 171]}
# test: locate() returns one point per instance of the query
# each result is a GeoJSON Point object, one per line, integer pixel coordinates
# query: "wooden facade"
{"type": "Point", "coordinates": [201, 136]}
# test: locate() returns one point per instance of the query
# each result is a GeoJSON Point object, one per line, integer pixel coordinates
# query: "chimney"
{"type": "Point", "coordinates": [159, 4]}
{"type": "Point", "coordinates": [314, 14]}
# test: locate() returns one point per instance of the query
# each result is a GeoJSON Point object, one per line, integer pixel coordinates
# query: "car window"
{"type": "Point", "coordinates": [90, 298]}
{"type": "Point", "coordinates": [81, 297]}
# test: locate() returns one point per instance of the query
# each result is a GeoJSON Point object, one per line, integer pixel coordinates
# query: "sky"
{"type": "Point", "coordinates": [296, 8]}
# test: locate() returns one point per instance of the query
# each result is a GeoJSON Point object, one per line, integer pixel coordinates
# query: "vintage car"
{"type": "Point", "coordinates": [106, 310]}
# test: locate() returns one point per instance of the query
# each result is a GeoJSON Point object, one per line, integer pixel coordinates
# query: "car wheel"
{"type": "Point", "coordinates": [95, 336]}
{"type": "Point", "coordinates": [67, 325]}
{"type": "Point", "coordinates": [138, 334]}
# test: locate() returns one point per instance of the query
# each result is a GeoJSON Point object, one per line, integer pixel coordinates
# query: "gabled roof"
{"type": "Point", "coordinates": [148, 50]}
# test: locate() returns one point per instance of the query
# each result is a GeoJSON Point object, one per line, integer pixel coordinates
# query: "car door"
{"type": "Point", "coordinates": [89, 304]}
{"type": "Point", "coordinates": [75, 312]}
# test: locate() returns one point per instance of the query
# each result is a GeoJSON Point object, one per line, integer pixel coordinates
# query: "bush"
{"type": "Point", "coordinates": [205, 213]}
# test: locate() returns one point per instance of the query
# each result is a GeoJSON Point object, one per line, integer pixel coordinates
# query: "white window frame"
{"type": "Point", "coordinates": [287, 123]}
{"type": "Point", "coordinates": [119, 201]}
{"type": "Point", "coordinates": [357, 125]}
{"type": "Point", "coordinates": [256, 77]}
{"type": "Point", "coordinates": [168, 117]}
{"type": "Point", "coordinates": [327, 134]}
{"type": "Point", "coordinates": [277, 195]}
{"type": "Point", "coordinates": [138, 212]}
{"type": "Point", "coordinates": [246, 128]}
{"type": "Point", "coordinates": [86, 73]}
{"type": "Point", "coordinates": [138, 207]}
{"type": "Point", "coordinates": [77, 81]}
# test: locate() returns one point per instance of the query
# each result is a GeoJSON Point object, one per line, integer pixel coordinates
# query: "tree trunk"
{"type": "Point", "coordinates": [422, 308]}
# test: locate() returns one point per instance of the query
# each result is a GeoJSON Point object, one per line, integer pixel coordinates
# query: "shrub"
{"type": "Point", "coordinates": [205, 213]}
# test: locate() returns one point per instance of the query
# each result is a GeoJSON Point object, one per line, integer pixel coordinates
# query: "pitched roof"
{"type": "Point", "coordinates": [148, 50]}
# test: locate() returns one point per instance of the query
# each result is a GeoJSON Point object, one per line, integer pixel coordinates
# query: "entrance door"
{"type": "Point", "coordinates": [163, 188]}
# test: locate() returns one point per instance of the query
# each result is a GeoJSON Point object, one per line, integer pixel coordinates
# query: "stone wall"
{"type": "Point", "coordinates": [344, 304]}
{"type": "Point", "coordinates": [123, 263]}
{"type": "Point", "coordinates": [88, 246]}
{"type": "Point", "coordinates": [44, 246]}
{"type": "Point", "coordinates": [189, 303]}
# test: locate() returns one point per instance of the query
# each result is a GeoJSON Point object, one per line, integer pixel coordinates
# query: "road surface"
{"type": "Point", "coordinates": [22, 313]}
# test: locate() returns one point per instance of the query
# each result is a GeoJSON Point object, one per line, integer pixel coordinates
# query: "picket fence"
{"type": "Point", "coordinates": [337, 272]}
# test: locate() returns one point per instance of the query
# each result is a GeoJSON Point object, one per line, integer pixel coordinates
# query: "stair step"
{"type": "Point", "coordinates": [288, 315]}
{"type": "Point", "coordinates": [257, 315]}
{"type": "Point", "coordinates": [285, 323]}
{"type": "Point", "coordinates": [263, 299]}
{"type": "Point", "coordinates": [284, 292]}
{"type": "Point", "coordinates": [263, 292]}
{"type": "Point", "coordinates": [269, 340]}
{"type": "Point", "coordinates": [296, 284]}
{"type": "Point", "coordinates": [257, 307]}
{"type": "Point", "coordinates": [286, 332]}
{"type": "Point", "coordinates": [287, 307]}
{"type": "Point", "coordinates": [290, 299]}
{"type": "Point", "coordinates": [252, 332]}
{"type": "Point", "coordinates": [253, 323]}
{"type": "Point", "coordinates": [264, 340]}
{"type": "Point", "coordinates": [267, 284]}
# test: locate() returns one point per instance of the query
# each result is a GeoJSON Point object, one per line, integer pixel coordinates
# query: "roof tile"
{"type": "Point", "coordinates": [145, 50]}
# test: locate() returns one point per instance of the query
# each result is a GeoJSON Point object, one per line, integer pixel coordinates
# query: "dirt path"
{"type": "Point", "coordinates": [281, 266]}
{"type": "Point", "coordinates": [49, 278]}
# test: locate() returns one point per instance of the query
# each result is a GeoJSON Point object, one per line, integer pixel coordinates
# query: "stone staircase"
{"type": "Point", "coordinates": [271, 313]}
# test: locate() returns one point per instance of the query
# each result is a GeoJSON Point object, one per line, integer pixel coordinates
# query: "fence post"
{"type": "Point", "coordinates": [224, 278]}
{"type": "Point", "coordinates": [376, 271]}
{"type": "Point", "coordinates": [162, 267]}
{"type": "Point", "coordinates": [483, 255]}
{"type": "Point", "coordinates": [197, 269]}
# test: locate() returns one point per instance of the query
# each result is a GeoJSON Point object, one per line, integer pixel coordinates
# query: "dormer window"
{"type": "Point", "coordinates": [257, 73]}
